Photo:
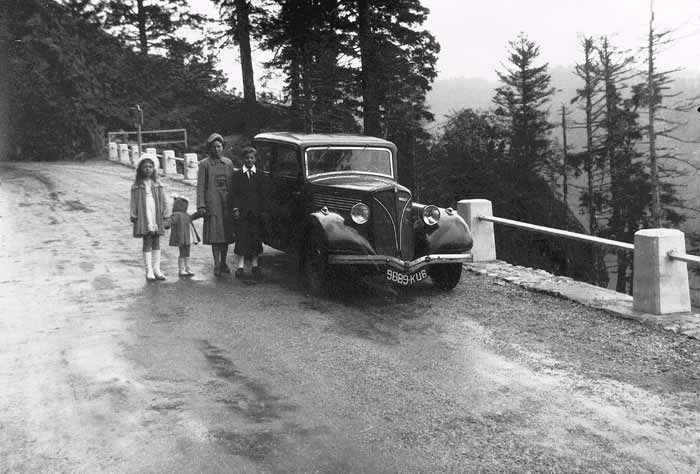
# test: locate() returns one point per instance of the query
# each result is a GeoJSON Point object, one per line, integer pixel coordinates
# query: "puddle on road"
{"type": "Point", "coordinates": [76, 205]}
{"type": "Point", "coordinates": [245, 396]}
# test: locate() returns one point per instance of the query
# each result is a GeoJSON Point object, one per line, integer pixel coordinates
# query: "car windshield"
{"type": "Point", "coordinates": [353, 159]}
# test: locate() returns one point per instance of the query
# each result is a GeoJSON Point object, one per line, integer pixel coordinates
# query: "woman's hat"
{"type": "Point", "coordinates": [214, 137]}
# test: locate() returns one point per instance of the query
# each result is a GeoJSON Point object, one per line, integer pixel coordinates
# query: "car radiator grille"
{"type": "Point", "coordinates": [392, 228]}
{"type": "Point", "coordinates": [334, 203]}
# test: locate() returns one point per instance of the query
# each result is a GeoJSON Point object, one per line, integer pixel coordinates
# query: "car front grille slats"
{"type": "Point", "coordinates": [392, 229]}
{"type": "Point", "coordinates": [334, 203]}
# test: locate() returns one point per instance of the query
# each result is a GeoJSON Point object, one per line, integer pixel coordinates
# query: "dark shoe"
{"type": "Point", "coordinates": [257, 274]}
{"type": "Point", "coordinates": [217, 271]}
{"type": "Point", "coordinates": [239, 272]}
{"type": "Point", "coordinates": [225, 268]}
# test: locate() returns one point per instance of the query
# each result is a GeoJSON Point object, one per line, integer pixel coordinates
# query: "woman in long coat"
{"type": "Point", "coordinates": [214, 181]}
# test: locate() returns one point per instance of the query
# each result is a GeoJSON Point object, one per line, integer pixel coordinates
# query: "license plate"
{"type": "Point", "coordinates": [405, 278]}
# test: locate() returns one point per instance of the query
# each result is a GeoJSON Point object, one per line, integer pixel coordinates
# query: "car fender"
{"type": "Point", "coordinates": [450, 235]}
{"type": "Point", "coordinates": [338, 237]}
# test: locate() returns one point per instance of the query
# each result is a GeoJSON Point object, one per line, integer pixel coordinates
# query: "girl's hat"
{"type": "Point", "coordinates": [144, 158]}
{"type": "Point", "coordinates": [180, 198]}
{"type": "Point", "coordinates": [214, 137]}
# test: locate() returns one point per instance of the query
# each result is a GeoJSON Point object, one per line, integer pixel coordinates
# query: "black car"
{"type": "Point", "coordinates": [334, 202]}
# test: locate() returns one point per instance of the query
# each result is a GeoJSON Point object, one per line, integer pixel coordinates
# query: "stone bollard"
{"type": "Point", "coordinates": [191, 166]}
{"type": "Point", "coordinates": [124, 153]}
{"type": "Point", "coordinates": [113, 152]}
{"type": "Point", "coordinates": [660, 284]}
{"type": "Point", "coordinates": [134, 155]}
{"type": "Point", "coordinates": [484, 248]}
{"type": "Point", "coordinates": [170, 167]}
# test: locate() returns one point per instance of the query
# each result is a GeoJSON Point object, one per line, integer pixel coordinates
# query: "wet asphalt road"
{"type": "Point", "coordinates": [103, 372]}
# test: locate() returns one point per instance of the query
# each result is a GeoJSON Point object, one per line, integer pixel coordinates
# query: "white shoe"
{"type": "Point", "coordinates": [181, 267]}
{"type": "Point", "coordinates": [148, 264]}
{"type": "Point", "coordinates": [187, 267]}
{"type": "Point", "coordinates": [156, 266]}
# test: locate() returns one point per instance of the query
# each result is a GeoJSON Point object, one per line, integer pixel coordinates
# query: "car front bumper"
{"type": "Point", "coordinates": [407, 266]}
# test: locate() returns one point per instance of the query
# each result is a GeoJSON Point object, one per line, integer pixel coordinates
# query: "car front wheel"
{"type": "Point", "coordinates": [316, 271]}
{"type": "Point", "coordinates": [446, 276]}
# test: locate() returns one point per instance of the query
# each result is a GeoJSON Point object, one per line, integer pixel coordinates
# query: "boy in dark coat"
{"type": "Point", "coordinates": [249, 203]}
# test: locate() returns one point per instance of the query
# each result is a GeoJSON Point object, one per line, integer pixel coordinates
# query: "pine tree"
{"type": "Point", "coordinates": [522, 100]}
{"type": "Point", "coordinates": [617, 150]}
{"type": "Point", "coordinates": [654, 96]}
{"type": "Point", "coordinates": [398, 60]}
{"type": "Point", "coordinates": [146, 25]}
{"type": "Point", "coordinates": [311, 41]}
{"type": "Point", "coordinates": [238, 16]}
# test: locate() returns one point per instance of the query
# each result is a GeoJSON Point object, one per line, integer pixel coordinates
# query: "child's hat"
{"type": "Point", "coordinates": [145, 158]}
{"type": "Point", "coordinates": [180, 198]}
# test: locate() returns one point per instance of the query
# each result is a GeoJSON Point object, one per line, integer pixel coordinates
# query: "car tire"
{"type": "Point", "coordinates": [446, 276]}
{"type": "Point", "coordinates": [315, 268]}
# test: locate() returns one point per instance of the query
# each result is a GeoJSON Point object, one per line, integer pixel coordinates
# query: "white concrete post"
{"type": "Point", "coordinates": [191, 166]}
{"type": "Point", "coordinates": [484, 248]}
{"type": "Point", "coordinates": [170, 167]}
{"type": "Point", "coordinates": [660, 284]}
{"type": "Point", "coordinates": [124, 153]}
{"type": "Point", "coordinates": [134, 155]}
{"type": "Point", "coordinates": [113, 152]}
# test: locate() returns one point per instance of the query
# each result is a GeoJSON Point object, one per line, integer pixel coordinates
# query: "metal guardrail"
{"type": "Point", "coordinates": [560, 233]}
{"type": "Point", "coordinates": [683, 257]}
{"type": "Point", "coordinates": [673, 254]}
{"type": "Point", "coordinates": [184, 140]}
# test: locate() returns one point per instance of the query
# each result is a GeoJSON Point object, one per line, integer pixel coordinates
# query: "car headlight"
{"type": "Point", "coordinates": [359, 213]}
{"type": "Point", "coordinates": [431, 215]}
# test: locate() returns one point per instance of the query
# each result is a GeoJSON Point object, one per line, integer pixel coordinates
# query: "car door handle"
{"type": "Point", "coordinates": [296, 193]}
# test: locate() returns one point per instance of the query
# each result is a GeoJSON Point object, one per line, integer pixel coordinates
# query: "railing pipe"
{"type": "Point", "coordinates": [683, 257]}
{"type": "Point", "coordinates": [559, 232]}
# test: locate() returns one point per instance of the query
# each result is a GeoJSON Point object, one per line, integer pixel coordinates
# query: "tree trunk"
{"type": "Point", "coordinates": [243, 39]}
{"type": "Point", "coordinates": [565, 183]}
{"type": "Point", "coordinates": [141, 16]}
{"type": "Point", "coordinates": [655, 193]}
{"type": "Point", "coordinates": [370, 104]}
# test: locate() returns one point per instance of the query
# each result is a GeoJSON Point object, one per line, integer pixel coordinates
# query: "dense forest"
{"type": "Point", "coordinates": [76, 68]}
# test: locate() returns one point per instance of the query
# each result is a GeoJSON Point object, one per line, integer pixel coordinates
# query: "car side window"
{"type": "Point", "coordinates": [264, 156]}
{"type": "Point", "coordinates": [287, 163]}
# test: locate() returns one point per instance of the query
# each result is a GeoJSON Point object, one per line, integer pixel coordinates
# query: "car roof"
{"type": "Point", "coordinates": [320, 139]}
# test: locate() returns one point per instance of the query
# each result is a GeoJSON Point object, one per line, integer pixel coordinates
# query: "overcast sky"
{"type": "Point", "coordinates": [473, 34]}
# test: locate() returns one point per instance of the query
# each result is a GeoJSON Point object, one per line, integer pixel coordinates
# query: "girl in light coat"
{"type": "Point", "coordinates": [150, 215]}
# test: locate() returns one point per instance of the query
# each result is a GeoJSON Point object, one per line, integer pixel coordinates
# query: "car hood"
{"type": "Point", "coordinates": [357, 181]}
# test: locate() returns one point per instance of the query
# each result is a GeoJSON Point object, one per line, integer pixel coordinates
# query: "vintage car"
{"type": "Point", "coordinates": [335, 202]}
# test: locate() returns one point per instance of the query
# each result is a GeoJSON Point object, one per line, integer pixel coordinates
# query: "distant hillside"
{"type": "Point", "coordinates": [449, 95]}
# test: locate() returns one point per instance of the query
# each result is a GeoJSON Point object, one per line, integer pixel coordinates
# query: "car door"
{"type": "Point", "coordinates": [285, 196]}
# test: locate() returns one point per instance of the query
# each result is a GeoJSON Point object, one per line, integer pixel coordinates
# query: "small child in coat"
{"type": "Point", "coordinates": [181, 228]}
